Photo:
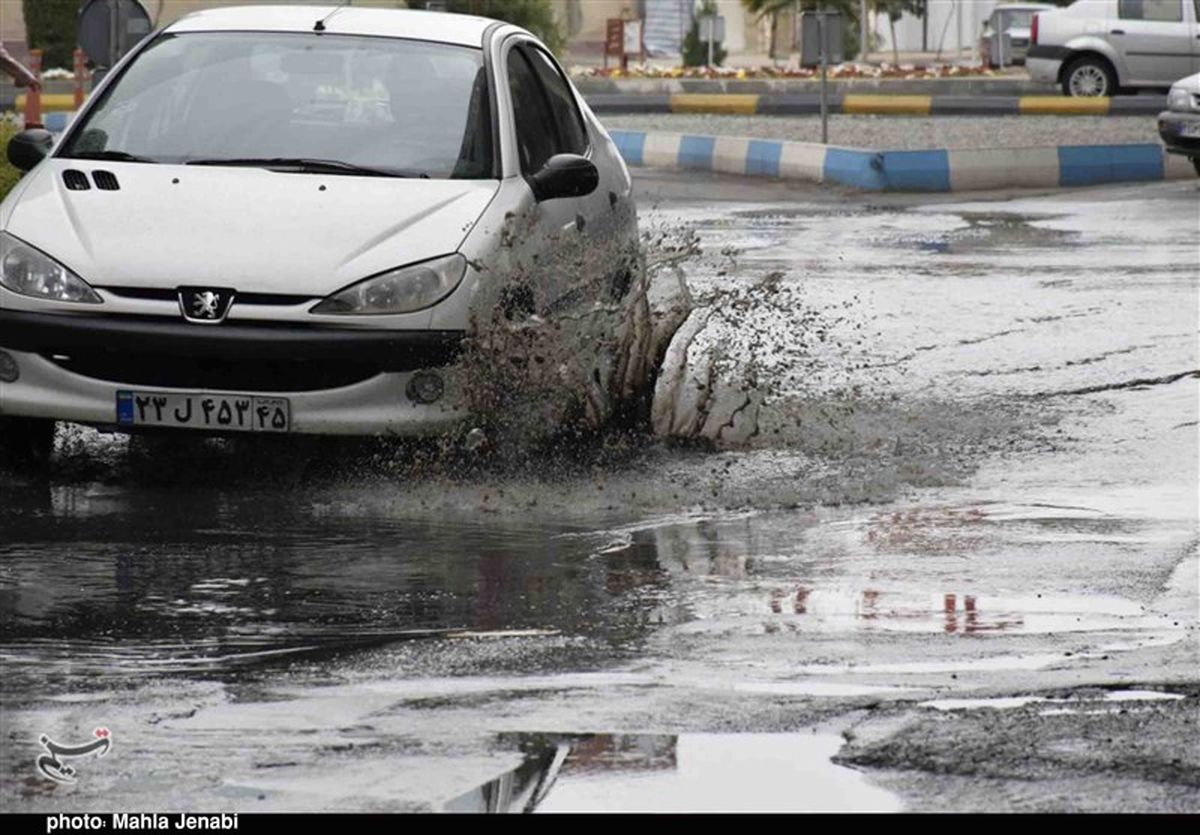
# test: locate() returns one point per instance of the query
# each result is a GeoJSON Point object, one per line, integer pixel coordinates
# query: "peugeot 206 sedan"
{"type": "Point", "coordinates": [286, 219]}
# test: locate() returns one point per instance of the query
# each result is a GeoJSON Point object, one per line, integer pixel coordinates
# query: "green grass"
{"type": "Point", "coordinates": [8, 174]}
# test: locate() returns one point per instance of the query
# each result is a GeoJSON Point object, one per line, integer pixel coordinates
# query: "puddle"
{"type": "Point", "coordinates": [1000, 231]}
{"type": "Point", "coordinates": [684, 773]}
{"type": "Point", "coordinates": [1010, 703]}
{"type": "Point", "coordinates": [952, 613]}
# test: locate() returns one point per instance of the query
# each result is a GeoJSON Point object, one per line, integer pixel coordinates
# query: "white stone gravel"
{"type": "Point", "coordinates": [907, 133]}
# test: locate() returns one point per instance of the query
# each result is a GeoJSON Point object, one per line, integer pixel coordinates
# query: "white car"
{"type": "Point", "coordinates": [1179, 124]}
{"type": "Point", "coordinates": [1005, 36]}
{"type": "Point", "coordinates": [288, 219]}
{"type": "Point", "coordinates": [1100, 47]}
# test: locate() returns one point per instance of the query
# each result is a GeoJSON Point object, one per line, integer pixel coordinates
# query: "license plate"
{"type": "Point", "coordinates": [1190, 131]}
{"type": "Point", "coordinates": [215, 412]}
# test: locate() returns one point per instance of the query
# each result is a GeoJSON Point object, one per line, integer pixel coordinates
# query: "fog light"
{"type": "Point", "coordinates": [8, 368]}
{"type": "Point", "coordinates": [425, 387]}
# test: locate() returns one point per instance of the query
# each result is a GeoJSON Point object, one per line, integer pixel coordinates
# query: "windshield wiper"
{"type": "Point", "coordinates": [115, 156]}
{"type": "Point", "coordinates": [309, 166]}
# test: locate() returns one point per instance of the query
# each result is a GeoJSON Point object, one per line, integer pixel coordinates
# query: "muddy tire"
{"type": "Point", "coordinates": [26, 444]}
{"type": "Point", "coordinates": [1089, 76]}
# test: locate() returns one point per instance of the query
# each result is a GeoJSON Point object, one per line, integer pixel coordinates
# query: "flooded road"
{"type": "Point", "coordinates": [954, 567]}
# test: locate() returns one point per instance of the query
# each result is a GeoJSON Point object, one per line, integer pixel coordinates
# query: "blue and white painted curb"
{"type": "Point", "coordinates": [936, 170]}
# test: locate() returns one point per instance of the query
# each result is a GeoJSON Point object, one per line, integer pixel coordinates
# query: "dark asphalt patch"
{"type": "Point", "coordinates": [1138, 741]}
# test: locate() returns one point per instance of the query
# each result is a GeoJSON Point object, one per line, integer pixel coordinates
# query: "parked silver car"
{"type": "Point", "coordinates": [1005, 36]}
{"type": "Point", "coordinates": [1100, 47]}
{"type": "Point", "coordinates": [1179, 124]}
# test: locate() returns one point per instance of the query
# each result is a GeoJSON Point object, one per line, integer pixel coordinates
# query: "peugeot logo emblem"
{"type": "Point", "coordinates": [205, 305]}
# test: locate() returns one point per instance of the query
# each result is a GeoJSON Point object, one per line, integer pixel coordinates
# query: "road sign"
{"type": "Point", "coordinates": [816, 27]}
{"type": "Point", "coordinates": [108, 29]}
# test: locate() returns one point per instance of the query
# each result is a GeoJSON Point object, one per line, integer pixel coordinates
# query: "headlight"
{"type": "Point", "coordinates": [400, 291]}
{"type": "Point", "coordinates": [1179, 99]}
{"type": "Point", "coordinates": [30, 272]}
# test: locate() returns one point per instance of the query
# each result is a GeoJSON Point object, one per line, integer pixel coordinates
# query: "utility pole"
{"type": "Point", "coordinates": [824, 79]}
{"type": "Point", "coordinates": [958, 27]}
{"type": "Point", "coordinates": [863, 46]}
{"type": "Point", "coordinates": [114, 32]}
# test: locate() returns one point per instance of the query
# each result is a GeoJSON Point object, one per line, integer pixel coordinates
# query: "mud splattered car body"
{"type": "Point", "coordinates": [292, 218]}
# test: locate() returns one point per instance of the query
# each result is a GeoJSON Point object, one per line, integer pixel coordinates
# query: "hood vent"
{"type": "Point", "coordinates": [106, 181]}
{"type": "Point", "coordinates": [76, 180]}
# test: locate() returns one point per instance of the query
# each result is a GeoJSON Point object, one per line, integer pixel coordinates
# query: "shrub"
{"type": "Point", "coordinates": [50, 26]}
{"type": "Point", "coordinates": [8, 174]}
{"type": "Point", "coordinates": [695, 49]}
{"type": "Point", "coordinates": [535, 15]}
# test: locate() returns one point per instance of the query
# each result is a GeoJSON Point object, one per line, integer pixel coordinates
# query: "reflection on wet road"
{"type": "Point", "coordinates": [668, 773]}
{"type": "Point", "coordinates": [943, 523]}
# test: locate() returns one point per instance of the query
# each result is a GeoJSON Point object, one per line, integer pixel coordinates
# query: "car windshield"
{"type": "Point", "coordinates": [331, 103]}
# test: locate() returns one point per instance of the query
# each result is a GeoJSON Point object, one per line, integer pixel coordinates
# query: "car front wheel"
{"type": "Point", "coordinates": [25, 444]}
{"type": "Point", "coordinates": [1089, 77]}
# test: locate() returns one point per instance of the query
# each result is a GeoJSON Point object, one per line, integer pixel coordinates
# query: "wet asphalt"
{"type": "Point", "coordinates": [957, 570]}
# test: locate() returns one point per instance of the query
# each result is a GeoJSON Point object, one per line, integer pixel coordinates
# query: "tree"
{"type": "Point", "coordinates": [695, 49]}
{"type": "Point", "coordinates": [50, 26]}
{"type": "Point", "coordinates": [773, 8]}
{"type": "Point", "coordinates": [895, 9]}
{"type": "Point", "coordinates": [535, 15]}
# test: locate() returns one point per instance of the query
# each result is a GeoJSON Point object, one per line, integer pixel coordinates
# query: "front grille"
{"type": "Point", "coordinates": [217, 374]}
{"type": "Point", "coordinates": [167, 295]}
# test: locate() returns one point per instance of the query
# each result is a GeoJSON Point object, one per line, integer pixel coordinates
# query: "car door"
{"type": "Point", "coordinates": [1156, 39]}
{"type": "Point", "coordinates": [549, 232]}
{"type": "Point", "coordinates": [596, 221]}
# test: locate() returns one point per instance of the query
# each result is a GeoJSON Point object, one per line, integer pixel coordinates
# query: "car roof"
{"type": "Point", "coordinates": [443, 27]}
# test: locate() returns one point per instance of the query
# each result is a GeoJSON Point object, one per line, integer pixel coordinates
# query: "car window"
{"type": "Point", "coordinates": [572, 136]}
{"type": "Point", "coordinates": [537, 133]}
{"type": "Point", "coordinates": [404, 106]}
{"type": "Point", "coordinates": [1165, 11]}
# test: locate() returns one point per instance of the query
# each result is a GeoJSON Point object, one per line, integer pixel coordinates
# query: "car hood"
{"type": "Point", "coordinates": [1190, 83]}
{"type": "Point", "coordinates": [255, 230]}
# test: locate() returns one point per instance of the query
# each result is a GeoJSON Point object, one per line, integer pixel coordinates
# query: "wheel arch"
{"type": "Point", "coordinates": [1092, 47]}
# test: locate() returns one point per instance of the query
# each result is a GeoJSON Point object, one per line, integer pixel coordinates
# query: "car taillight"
{"type": "Point", "coordinates": [1033, 31]}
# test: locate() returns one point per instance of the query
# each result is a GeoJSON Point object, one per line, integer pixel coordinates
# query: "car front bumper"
{"type": "Point", "coordinates": [337, 381]}
{"type": "Point", "coordinates": [1172, 125]}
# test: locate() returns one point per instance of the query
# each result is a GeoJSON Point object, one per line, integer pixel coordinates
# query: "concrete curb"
{"type": "Point", "coordinates": [802, 104]}
{"type": "Point", "coordinates": [799, 104]}
{"type": "Point", "coordinates": [937, 170]}
{"type": "Point", "coordinates": [933, 170]}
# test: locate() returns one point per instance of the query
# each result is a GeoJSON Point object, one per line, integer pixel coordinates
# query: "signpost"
{"type": "Point", "coordinates": [623, 38]}
{"type": "Point", "coordinates": [108, 29]}
{"type": "Point", "coordinates": [821, 43]}
{"type": "Point", "coordinates": [712, 29]}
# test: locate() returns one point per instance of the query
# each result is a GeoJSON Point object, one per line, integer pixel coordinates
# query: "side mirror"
{"type": "Point", "coordinates": [565, 175]}
{"type": "Point", "coordinates": [29, 147]}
